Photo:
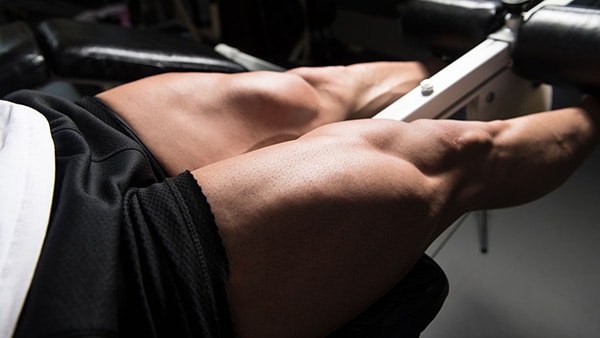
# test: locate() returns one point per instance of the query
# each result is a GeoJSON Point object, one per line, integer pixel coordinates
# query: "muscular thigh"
{"type": "Point", "coordinates": [318, 228]}
{"type": "Point", "coordinates": [188, 120]}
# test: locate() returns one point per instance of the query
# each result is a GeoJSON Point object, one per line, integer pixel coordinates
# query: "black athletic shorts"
{"type": "Point", "coordinates": [128, 252]}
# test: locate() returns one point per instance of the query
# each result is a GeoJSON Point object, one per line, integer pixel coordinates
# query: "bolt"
{"type": "Point", "coordinates": [426, 87]}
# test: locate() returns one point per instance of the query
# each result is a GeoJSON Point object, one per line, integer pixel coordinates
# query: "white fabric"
{"type": "Point", "coordinates": [26, 187]}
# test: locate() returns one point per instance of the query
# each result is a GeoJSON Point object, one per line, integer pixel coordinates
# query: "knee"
{"type": "Point", "coordinates": [471, 142]}
{"type": "Point", "coordinates": [270, 107]}
{"type": "Point", "coordinates": [460, 137]}
{"type": "Point", "coordinates": [454, 146]}
{"type": "Point", "coordinates": [282, 98]}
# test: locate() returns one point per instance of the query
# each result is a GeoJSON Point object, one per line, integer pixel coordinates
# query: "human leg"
{"type": "Point", "coordinates": [190, 120]}
{"type": "Point", "coordinates": [318, 228]}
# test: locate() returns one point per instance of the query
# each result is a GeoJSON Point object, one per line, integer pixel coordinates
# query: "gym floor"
{"type": "Point", "coordinates": [539, 277]}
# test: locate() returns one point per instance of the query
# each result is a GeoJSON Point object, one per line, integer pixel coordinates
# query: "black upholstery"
{"type": "Point", "coordinates": [451, 28]}
{"type": "Point", "coordinates": [96, 52]}
{"type": "Point", "coordinates": [22, 63]}
{"type": "Point", "coordinates": [110, 52]}
{"type": "Point", "coordinates": [561, 46]}
{"type": "Point", "coordinates": [407, 309]}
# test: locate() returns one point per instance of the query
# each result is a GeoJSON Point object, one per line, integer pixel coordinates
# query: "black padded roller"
{"type": "Point", "coordinates": [561, 46]}
{"type": "Point", "coordinates": [451, 27]}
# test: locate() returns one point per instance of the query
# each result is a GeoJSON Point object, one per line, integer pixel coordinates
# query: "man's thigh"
{"type": "Point", "coordinates": [188, 120]}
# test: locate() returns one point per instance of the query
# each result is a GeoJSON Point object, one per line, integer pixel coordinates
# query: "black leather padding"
{"type": "Point", "coordinates": [22, 64]}
{"type": "Point", "coordinates": [451, 27]}
{"type": "Point", "coordinates": [561, 46]}
{"type": "Point", "coordinates": [407, 309]}
{"type": "Point", "coordinates": [110, 52]}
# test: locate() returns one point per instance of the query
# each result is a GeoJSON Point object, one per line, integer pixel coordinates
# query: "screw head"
{"type": "Point", "coordinates": [426, 87]}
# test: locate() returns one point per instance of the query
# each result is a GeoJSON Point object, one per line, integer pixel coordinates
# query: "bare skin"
{"type": "Point", "coordinates": [319, 227]}
{"type": "Point", "coordinates": [190, 120]}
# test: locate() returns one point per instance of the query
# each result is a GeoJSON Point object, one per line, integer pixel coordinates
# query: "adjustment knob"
{"type": "Point", "coordinates": [515, 6]}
